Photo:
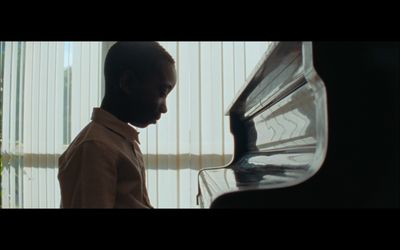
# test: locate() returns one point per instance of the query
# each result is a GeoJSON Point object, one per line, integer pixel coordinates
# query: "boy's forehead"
{"type": "Point", "coordinates": [169, 75]}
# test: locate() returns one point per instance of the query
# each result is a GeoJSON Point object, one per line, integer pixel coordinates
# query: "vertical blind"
{"type": "Point", "coordinates": [50, 88]}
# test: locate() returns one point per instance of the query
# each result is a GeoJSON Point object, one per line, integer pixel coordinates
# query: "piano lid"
{"type": "Point", "coordinates": [279, 124]}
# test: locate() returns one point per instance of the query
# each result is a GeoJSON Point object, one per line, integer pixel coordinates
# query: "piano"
{"type": "Point", "coordinates": [314, 126]}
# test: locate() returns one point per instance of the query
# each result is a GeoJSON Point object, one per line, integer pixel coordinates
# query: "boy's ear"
{"type": "Point", "coordinates": [127, 82]}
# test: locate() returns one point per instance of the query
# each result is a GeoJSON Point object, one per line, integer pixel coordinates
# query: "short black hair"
{"type": "Point", "coordinates": [141, 57]}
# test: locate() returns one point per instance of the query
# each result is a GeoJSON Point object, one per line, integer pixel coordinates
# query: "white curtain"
{"type": "Point", "coordinates": [48, 91]}
{"type": "Point", "coordinates": [50, 88]}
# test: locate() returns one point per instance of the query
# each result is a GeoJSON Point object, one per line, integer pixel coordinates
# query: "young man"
{"type": "Point", "coordinates": [103, 166]}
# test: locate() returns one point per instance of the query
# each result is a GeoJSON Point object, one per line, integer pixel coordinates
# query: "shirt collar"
{"type": "Point", "coordinates": [108, 120]}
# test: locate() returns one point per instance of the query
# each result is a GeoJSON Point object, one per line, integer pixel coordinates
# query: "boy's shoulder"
{"type": "Point", "coordinates": [95, 134]}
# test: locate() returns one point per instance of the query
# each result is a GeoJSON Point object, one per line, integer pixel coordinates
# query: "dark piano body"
{"type": "Point", "coordinates": [315, 126]}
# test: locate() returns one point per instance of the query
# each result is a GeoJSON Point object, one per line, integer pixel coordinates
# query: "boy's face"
{"type": "Point", "coordinates": [148, 101]}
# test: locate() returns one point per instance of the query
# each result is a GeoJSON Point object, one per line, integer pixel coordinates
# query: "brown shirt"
{"type": "Point", "coordinates": [103, 167]}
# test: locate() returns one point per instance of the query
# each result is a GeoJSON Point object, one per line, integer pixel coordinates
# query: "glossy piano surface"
{"type": "Point", "coordinates": [274, 123]}
{"type": "Point", "coordinates": [299, 95]}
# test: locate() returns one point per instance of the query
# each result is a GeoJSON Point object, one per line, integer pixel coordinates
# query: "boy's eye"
{"type": "Point", "coordinates": [163, 92]}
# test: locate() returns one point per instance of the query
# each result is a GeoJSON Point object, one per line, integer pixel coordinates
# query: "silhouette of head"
{"type": "Point", "coordinates": [138, 78]}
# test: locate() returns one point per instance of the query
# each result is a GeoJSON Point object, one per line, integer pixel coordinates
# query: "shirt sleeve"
{"type": "Point", "coordinates": [96, 176]}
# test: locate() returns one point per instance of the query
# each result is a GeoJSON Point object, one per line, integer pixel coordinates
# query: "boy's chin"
{"type": "Point", "coordinates": [143, 124]}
